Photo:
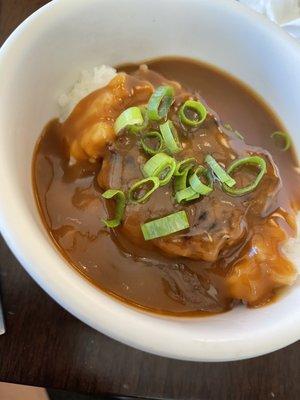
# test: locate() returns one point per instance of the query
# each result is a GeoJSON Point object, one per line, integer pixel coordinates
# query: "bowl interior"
{"type": "Point", "coordinates": [45, 56]}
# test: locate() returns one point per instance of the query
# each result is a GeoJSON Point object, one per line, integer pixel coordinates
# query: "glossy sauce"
{"type": "Point", "coordinates": [183, 274]}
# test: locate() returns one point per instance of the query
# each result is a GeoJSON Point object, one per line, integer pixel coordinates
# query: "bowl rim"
{"type": "Point", "coordinates": [236, 348]}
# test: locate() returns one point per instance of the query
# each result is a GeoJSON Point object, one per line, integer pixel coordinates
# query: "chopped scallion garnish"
{"type": "Point", "coordinates": [151, 137]}
{"type": "Point", "coordinates": [220, 173]}
{"type": "Point", "coordinates": [120, 207]}
{"type": "Point", "coordinates": [197, 185]}
{"type": "Point", "coordinates": [187, 194]}
{"type": "Point", "coordinates": [280, 136]}
{"type": "Point", "coordinates": [170, 136]}
{"type": "Point", "coordinates": [181, 181]}
{"type": "Point", "coordinates": [165, 226]}
{"type": "Point", "coordinates": [130, 117]}
{"type": "Point", "coordinates": [196, 107]}
{"type": "Point", "coordinates": [182, 165]}
{"type": "Point", "coordinates": [237, 133]}
{"type": "Point", "coordinates": [138, 128]}
{"type": "Point", "coordinates": [252, 160]}
{"type": "Point", "coordinates": [140, 191]}
{"type": "Point", "coordinates": [161, 166]}
{"type": "Point", "coordinates": [160, 103]}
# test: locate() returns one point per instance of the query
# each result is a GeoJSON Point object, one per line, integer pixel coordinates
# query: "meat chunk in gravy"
{"type": "Point", "coordinates": [218, 222]}
{"type": "Point", "coordinates": [237, 232]}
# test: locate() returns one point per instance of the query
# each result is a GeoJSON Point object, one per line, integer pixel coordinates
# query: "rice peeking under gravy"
{"type": "Point", "coordinates": [88, 82]}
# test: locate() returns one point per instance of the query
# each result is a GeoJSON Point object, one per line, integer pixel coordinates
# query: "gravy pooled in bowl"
{"type": "Point", "coordinates": [173, 188]}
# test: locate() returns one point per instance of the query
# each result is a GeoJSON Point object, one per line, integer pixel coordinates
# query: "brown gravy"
{"type": "Point", "coordinates": [71, 206]}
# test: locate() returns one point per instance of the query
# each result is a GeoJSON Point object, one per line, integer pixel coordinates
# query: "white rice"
{"type": "Point", "coordinates": [100, 77]}
{"type": "Point", "coordinates": [292, 247]}
{"type": "Point", "coordinates": [88, 82]}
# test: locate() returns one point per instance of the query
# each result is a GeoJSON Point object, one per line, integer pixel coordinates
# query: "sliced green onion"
{"type": "Point", "coordinates": [182, 165]}
{"type": "Point", "coordinates": [120, 207]}
{"type": "Point", "coordinates": [187, 194]}
{"type": "Point", "coordinates": [197, 185]}
{"type": "Point", "coordinates": [170, 136]}
{"type": "Point", "coordinates": [161, 166]}
{"type": "Point", "coordinates": [220, 173]}
{"type": "Point", "coordinates": [160, 103]}
{"type": "Point", "coordinates": [159, 142]}
{"type": "Point", "coordinates": [195, 106]}
{"type": "Point", "coordinates": [237, 133]}
{"type": "Point", "coordinates": [137, 128]}
{"type": "Point", "coordinates": [138, 193]}
{"type": "Point", "coordinates": [252, 160]}
{"type": "Point", "coordinates": [165, 226]}
{"type": "Point", "coordinates": [131, 116]}
{"type": "Point", "coordinates": [180, 181]}
{"type": "Point", "coordinates": [278, 136]}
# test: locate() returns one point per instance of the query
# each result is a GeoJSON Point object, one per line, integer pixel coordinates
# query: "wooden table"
{"type": "Point", "coordinates": [46, 346]}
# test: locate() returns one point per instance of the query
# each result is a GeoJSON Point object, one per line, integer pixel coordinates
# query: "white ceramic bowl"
{"type": "Point", "coordinates": [43, 57]}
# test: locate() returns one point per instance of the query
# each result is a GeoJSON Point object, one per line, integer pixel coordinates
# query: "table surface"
{"type": "Point", "coordinates": [46, 346]}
